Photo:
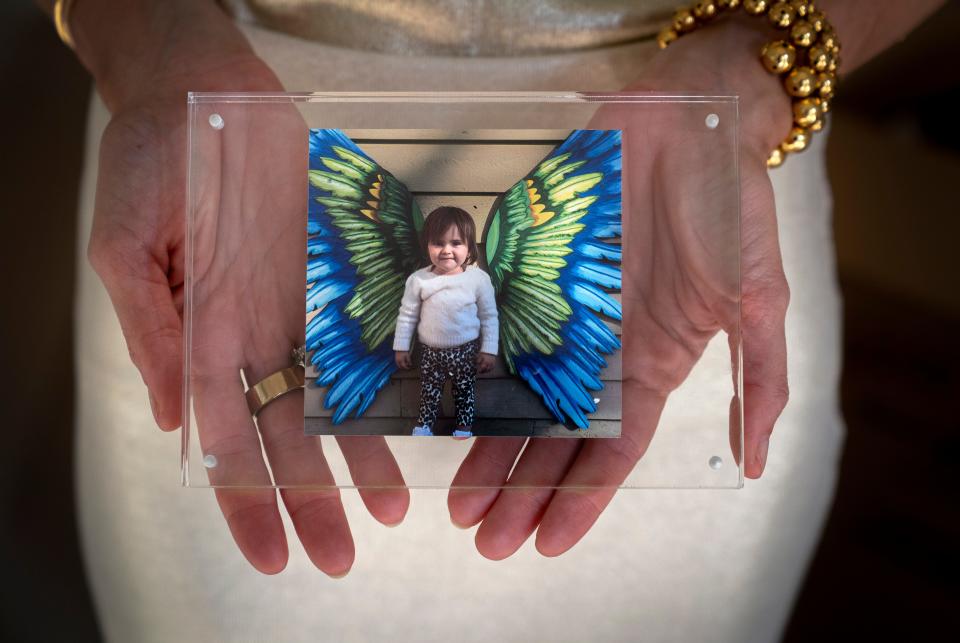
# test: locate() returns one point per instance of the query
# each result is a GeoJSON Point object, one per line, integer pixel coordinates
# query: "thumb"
{"type": "Point", "coordinates": [141, 296]}
{"type": "Point", "coordinates": [763, 307]}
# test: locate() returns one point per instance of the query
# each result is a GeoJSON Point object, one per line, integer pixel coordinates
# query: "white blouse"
{"type": "Point", "coordinates": [448, 310]}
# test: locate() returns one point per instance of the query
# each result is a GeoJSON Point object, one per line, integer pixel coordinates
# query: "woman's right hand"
{"type": "Point", "coordinates": [247, 293]}
{"type": "Point", "coordinates": [403, 359]}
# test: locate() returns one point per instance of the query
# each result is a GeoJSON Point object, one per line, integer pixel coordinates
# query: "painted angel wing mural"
{"type": "Point", "coordinates": [362, 243]}
{"type": "Point", "coordinates": [552, 253]}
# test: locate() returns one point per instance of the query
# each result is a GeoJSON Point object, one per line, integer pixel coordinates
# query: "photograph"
{"type": "Point", "coordinates": [450, 295]}
{"type": "Point", "coordinates": [719, 236]}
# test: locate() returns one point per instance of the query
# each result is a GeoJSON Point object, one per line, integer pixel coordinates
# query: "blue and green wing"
{"type": "Point", "coordinates": [552, 247]}
{"type": "Point", "coordinates": [363, 231]}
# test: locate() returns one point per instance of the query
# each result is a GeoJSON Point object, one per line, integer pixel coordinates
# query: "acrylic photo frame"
{"type": "Point", "coordinates": [248, 198]}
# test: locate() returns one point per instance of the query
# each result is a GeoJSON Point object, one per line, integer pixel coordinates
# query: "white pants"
{"type": "Point", "coordinates": [659, 565]}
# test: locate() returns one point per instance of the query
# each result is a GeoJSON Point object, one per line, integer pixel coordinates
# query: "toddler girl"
{"type": "Point", "coordinates": [451, 304]}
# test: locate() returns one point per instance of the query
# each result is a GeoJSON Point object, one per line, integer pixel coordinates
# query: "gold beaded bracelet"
{"type": "Point", "coordinates": [806, 59]}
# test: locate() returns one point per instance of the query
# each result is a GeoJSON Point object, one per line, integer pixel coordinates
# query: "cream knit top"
{"type": "Point", "coordinates": [451, 310]}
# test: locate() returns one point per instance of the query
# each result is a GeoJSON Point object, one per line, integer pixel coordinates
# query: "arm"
{"type": "Point", "coordinates": [487, 311]}
{"type": "Point", "coordinates": [723, 58]}
{"type": "Point", "coordinates": [867, 27]}
{"type": "Point", "coordinates": [408, 316]}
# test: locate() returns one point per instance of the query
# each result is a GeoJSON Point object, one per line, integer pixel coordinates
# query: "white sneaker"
{"type": "Point", "coordinates": [422, 430]}
{"type": "Point", "coordinates": [457, 433]}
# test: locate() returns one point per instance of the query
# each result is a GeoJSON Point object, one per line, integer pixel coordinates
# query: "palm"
{"type": "Point", "coordinates": [247, 242]}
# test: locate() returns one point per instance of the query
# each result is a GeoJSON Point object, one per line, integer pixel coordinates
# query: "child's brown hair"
{"type": "Point", "coordinates": [440, 220]}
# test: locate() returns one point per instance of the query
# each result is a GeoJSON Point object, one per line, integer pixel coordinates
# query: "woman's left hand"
{"type": "Point", "coordinates": [675, 299]}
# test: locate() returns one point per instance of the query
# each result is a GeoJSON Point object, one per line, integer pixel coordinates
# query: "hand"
{"type": "Point", "coordinates": [403, 359]}
{"type": "Point", "coordinates": [676, 297]}
{"type": "Point", "coordinates": [485, 362]}
{"type": "Point", "coordinates": [247, 288]}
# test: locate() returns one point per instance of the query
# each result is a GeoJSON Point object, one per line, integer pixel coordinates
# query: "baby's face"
{"type": "Point", "coordinates": [449, 252]}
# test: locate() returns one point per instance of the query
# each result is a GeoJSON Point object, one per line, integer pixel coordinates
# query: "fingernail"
{"type": "Point", "coordinates": [391, 525]}
{"type": "Point", "coordinates": [458, 525]}
{"type": "Point", "coordinates": [338, 576]}
{"type": "Point", "coordinates": [153, 406]}
{"type": "Point", "coordinates": [762, 452]}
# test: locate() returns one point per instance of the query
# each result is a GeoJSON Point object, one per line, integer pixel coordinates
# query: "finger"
{"type": "Point", "coordinates": [482, 472]}
{"type": "Point", "coordinates": [599, 469]}
{"type": "Point", "coordinates": [227, 433]}
{"type": "Point", "coordinates": [308, 488]}
{"type": "Point", "coordinates": [765, 388]}
{"type": "Point", "coordinates": [141, 295]}
{"type": "Point", "coordinates": [377, 476]}
{"type": "Point", "coordinates": [519, 506]}
{"type": "Point", "coordinates": [763, 309]}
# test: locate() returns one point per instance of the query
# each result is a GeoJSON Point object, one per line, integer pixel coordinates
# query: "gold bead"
{"type": "Point", "coordinates": [833, 64]}
{"type": "Point", "coordinates": [683, 21]}
{"type": "Point", "coordinates": [829, 39]}
{"type": "Point", "coordinates": [727, 5]}
{"type": "Point", "coordinates": [817, 19]}
{"type": "Point", "coordinates": [824, 106]}
{"type": "Point", "coordinates": [827, 83]}
{"type": "Point", "coordinates": [806, 111]}
{"type": "Point", "coordinates": [778, 56]}
{"type": "Point", "coordinates": [782, 15]}
{"type": "Point", "coordinates": [666, 36]}
{"type": "Point", "coordinates": [819, 57]}
{"type": "Point", "coordinates": [776, 158]}
{"type": "Point", "coordinates": [803, 34]}
{"type": "Point", "coordinates": [705, 10]}
{"type": "Point", "coordinates": [796, 141]}
{"type": "Point", "coordinates": [802, 7]}
{"type": "Point", "coordinates": [755, 7]}
{"type": "Point", "coordinates": [817, 126]}
{"type": "Point", "coordinates": [801, 82]}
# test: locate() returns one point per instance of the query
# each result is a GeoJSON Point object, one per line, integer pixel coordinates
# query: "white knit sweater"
{"type": "Point", "coordinates": [451, 310]}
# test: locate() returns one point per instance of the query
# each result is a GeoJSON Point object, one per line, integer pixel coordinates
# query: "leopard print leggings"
{"type": "Point", "coordinates": [436, 365]}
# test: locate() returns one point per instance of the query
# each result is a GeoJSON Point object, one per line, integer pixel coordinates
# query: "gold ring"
{"type": "Point", "coordinates": [273, 386]}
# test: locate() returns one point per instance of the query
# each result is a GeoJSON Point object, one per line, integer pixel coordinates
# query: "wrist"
{"type": "Point", "coordinates": [724, 58]}
{"type": "Point", "coordinates": [766, 115]}
{"type": "Point", "coordinates": [139, 48]}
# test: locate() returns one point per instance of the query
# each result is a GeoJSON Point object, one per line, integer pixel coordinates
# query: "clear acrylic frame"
{"type": "Point", "coordinates": [247, 197]}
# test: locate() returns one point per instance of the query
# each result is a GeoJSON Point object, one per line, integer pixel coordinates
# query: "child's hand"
{"type": "Point", "coordinates": [403, 359]}
{"type": "Point", "coordinates": [485, 362]}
